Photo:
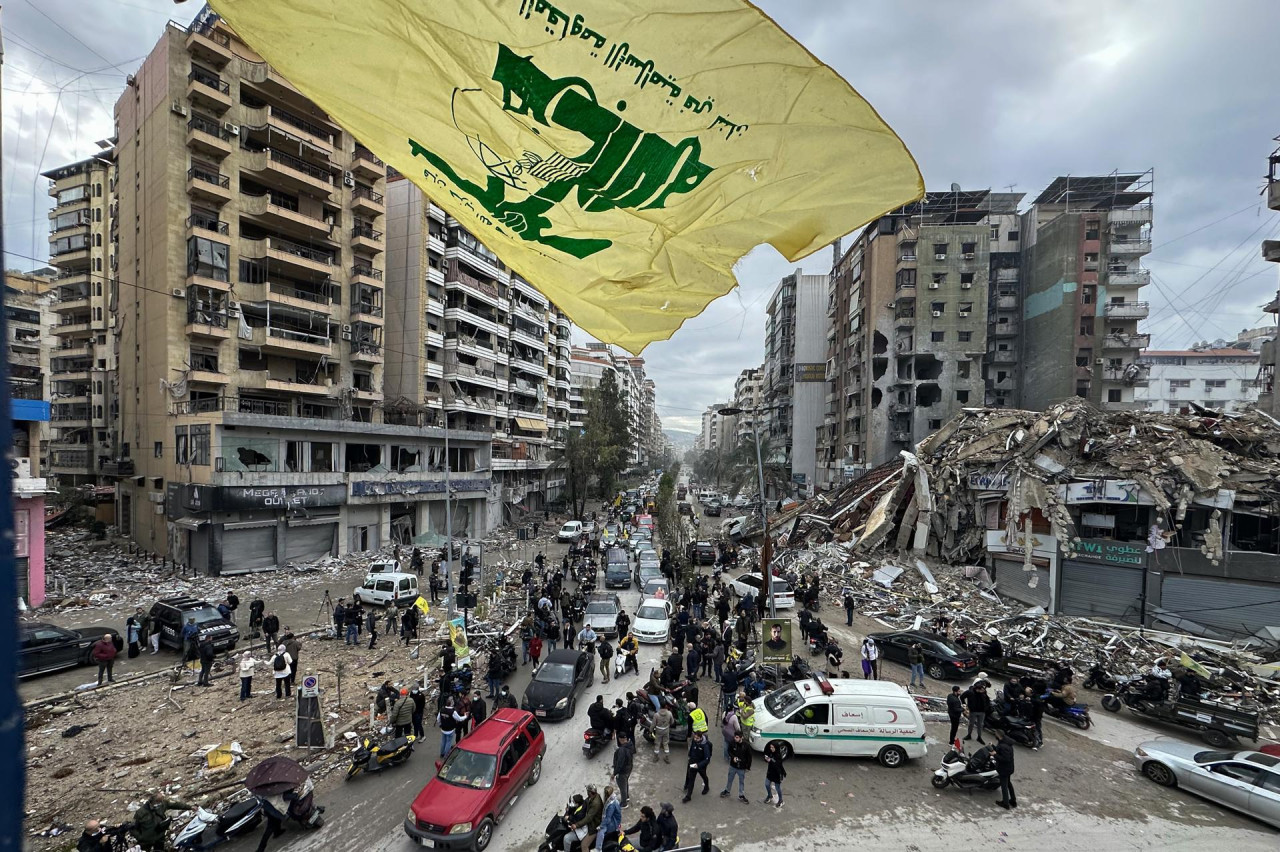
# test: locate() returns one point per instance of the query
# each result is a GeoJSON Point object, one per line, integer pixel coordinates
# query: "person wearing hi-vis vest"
{"type": "Point", "coordinates": [697, 719]}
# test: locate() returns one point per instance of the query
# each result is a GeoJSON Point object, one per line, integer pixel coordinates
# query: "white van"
{"type": "Point", "coordinates": [842, 718]}
{"type": "Point", "coordinates": [570, 531]}
{"type": "Point", "coordinates": [384, 588]}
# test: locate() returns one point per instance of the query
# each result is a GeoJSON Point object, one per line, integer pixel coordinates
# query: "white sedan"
{"type": "Point", "coordinates": [653, 620]}
{"type": "Point", "coordinates": [1246, 781]}
{"type": "Point", "coordinates": [751, 582]}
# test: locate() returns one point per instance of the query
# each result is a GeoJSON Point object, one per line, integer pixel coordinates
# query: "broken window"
{"type": "Point", "coordinates": [1082, 389]}
{"type": "Point", "coordinates": [935, 424]}
{"type": "Point", "coordinates": [939, 278]}
{"type": "Point", "coordinates": [939, 251]}
{"type": "Point", "coordinates": [200, 444]}
{"type": "Point", "coordinates": [405, 459]}
{"type": "Point", "coordinates": [966, 279]}
{"type": "Point", "coordinates": [928, 394]}
{"type": "Point", "coordinates": [937, 307]}
{"type": "Point", "coordinates": [962, 369]}
{"type": "Point", "coordinates": [1113, 395]}
{"type": "Point", "coordinates": [1086, 326]}
{"type": "Point", "coordinates": [1091, 231]}
{"type": "Point", "coordinates": [937, 336]}
{"type": "Point", "coordinates": [293, 453]}
{"type": "Point", "coordinates": [1087, 294]}
{"type": "Point", "coordinates": [180, 451]}
{"type": "Point", "coordinates": [968, 250]}
{"type": "Point", "coordinates": [363, 457]}
{"type": "Point", "coordinates": [962, 396]}
{"type": "Point", "coordinates": [322, 457]}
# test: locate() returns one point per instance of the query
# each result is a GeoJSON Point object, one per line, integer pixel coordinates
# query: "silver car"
{"type": "Point", "coordinates": [1246, 781]}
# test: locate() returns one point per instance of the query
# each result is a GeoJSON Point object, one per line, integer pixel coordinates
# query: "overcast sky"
{"type": "Point", "coordinates": [985, 94]}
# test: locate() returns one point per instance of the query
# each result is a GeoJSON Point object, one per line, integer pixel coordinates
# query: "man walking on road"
{"type": "Point", "coordinates": [915, 656]}
{"type": "Point", "coordinates": [371, 624]}
{"type": "Point", "coordinates": [104, 654]}
{"type": "Point", "coordinates": [699, 758]}
{"type": "Point", "coordinates": [1004, 769]}
{"type": "Point", "coordinates": [848, 608]}
{"type": "Point", "coordinates": [662, 722]}
{"type": "Point", "coordinates": [623, 761]}
{"type": "Point", "coordinates": [739, 764]}
{"type": "Point", "coordinates": [978, 703]}
{"type": "Point", "coordinates": [870, 659]}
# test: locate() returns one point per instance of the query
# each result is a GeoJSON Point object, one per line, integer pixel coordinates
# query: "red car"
{"type": "Point", "coordinates": [645, 521]}
{"type": "Point", "coordinates": [478, 783]}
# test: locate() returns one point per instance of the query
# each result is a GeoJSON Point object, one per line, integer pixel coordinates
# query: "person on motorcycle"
{"type": "Point", "coordinates": [1062, 674]}
{"type": "Point", "coordinates": [1063, 698]}
{"type": "Point", "coordinates": [1158, 680]}
{"type": "Point", "coordinates": [630, 648]}
{"type": "Point", "coordinates": [600, 717]}
{"type": "Point", "coordinates": [1013, 690]}
{"type": "Point", "coordinates": [994, 649]}
{"type": "Point", "coordinates": [586, 822]}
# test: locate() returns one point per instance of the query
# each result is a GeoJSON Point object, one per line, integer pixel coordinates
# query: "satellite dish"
{"type": "Point", "coordinates": [955, 187]}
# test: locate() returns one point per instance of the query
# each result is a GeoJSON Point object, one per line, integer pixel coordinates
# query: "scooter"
{"type": "Point", "coordinates": [594, 740]}
{"type": "Point", "coordinates": [1076, 714]}
{"type": "Point", "coordinates": [375, 758]}
{"type": "Point", "coordinates": [1021, 731]}
{"type": "Point", "coordinates": [207, 830]}
{"type": "Point", "coordinates": [967, 773]}
{"type": "Point", "coordinates": [1099, 679]}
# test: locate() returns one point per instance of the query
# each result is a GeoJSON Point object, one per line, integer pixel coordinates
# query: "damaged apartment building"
{"type": "Point", "coordinates": [960, 300]}
{"type": "Point", "coordinates": [1145, 518]}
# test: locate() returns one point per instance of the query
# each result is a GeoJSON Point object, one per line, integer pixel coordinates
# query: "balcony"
{"type": "Point", "coordinates": [1121, 246]}
{"type": "Point", "coordinates": [208, 44]}
{"type": "Point", "coordinates": [277, 340]}
{"type": "Point", "coordinates": [367, 309]}
{"type": "Point", "coordinates": [208, 324]}
{"type": "Point", "coordinates": [530, 340]}
{"type": "Point", "coordinates": [1006, 302]}
{"type": "Point", "coordinates": [277, 167]}
{"type": "Point", "coordinates": [293, 256]}
{"type": "Point", "coordinates": [318, 300]}
{"type": "Point", "coordinates": [208, 90]}
{"type": "Point", "coordinates": [72, 299]}
{"type": "Point", "coordinates": [366, 352]}
{"type": "Point", "coordinates": [73, 326]}
{"type": "Point", "coordinates": [1004, 329]}
{"type": "Point", "coordinates": [208, 138]}
{"type": "Point", "coordinates": [69, 461]}
{"type": "Point", "coordinates": [1140, 215]}
{"type": "Point", "coordinates": [1127, 310]}
{"type": "Point", "coordinates": [262, 380]}
{"type": "Point", "coordinates": [365, 164]}
{"type": "Point", "coordinates": [211, 228]}
{"type": "Point", "coordinates": [1126, 341]}
{"type": "Point", "coordinates": [481, 263]}
{"type": "Point", "coordinates": [901, 436]}
{"type": "Point", "coordinates": [366, 200]}
{"type": "Point", "coordinates": [1004, 356]}
{"type": "Point", "coordinates": [208, 377]}
{"type": "Point", "coordinates": [1135, 278]}
{"type": "Point", "coordinates": [483, 290]}
{"type": "Point", "coordinates": [364, 236]}
{"type": "Point", "coordinates": [297, 126]}
{"type": "Point", "coordinates": [208, 185]}
{"type": "Point", "coordinates": [364, 274]}
{"type": "Point", "coordinates": [1135, 377]}
{"type": "Point", "coordinates": [285, 219]}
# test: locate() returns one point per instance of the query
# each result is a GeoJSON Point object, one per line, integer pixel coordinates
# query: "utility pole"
{"type": "Point", "coordinates": [448, 504]}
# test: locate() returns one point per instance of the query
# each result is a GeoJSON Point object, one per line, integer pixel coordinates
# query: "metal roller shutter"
{"type": "Point", "coordinates": [1011, 581]}
{"type": "Point", "coordinates": [22, 566]}
{"type": "Point", "coordinates": [307, 543]}
{"type": "Point", "coordinates": [1101, 590]}
{"type": "Point", "coordinates": [251, 549]}
{"type": "Point", "coordinates": [1241, 608]}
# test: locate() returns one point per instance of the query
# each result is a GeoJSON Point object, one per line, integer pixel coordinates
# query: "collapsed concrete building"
{"type": "Point", "coordinates": [1161, 520]}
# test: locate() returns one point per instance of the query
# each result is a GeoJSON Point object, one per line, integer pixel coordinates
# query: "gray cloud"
{"type": "Point", "coordinates": [986, 94]}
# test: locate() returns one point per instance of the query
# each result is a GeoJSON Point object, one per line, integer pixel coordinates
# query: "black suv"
{"type": "Point", "coordinates": [170, 614]}
{"type": "Point", "coordinates": [46, 647]}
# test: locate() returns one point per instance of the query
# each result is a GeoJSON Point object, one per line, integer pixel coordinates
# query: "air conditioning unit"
{"type": "Point", "coordinates": [328, 220]}
{"type": "Point", "coordinates": [348, 179]}
{"type": "Point", "coordinates": [233, 313]}
{"type": "Point", "coordinates": [346, 335]}
{"type": "Point", "coordinates": [937, 313]}
{"type": "Point", "coordinates": [939, 257]}
{"type": "Point", "coordinates": [219, 464]}
{"type": "Point", "coordinates": [178, 108]}
{"type": "Point", "coordinates": [178, 292]}
{"type": "Point", "coordinates": [964, 313]}
{"type": "Point", "coordinates": [159, 510]}
{"type": "Point", "coordinates": [966, 285]}
{"type": "Point", "coordinates": [346, 328]}
{"type": "Point", "coordinates": [933, 285]}
{"type": "Point", "coordinates": [231, 129]}
{"type": "Point", "coordinates": [1098, 361]}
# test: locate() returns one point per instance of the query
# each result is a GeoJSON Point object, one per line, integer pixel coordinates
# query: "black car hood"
{"type": "Point", "coordinates": [545, 694]}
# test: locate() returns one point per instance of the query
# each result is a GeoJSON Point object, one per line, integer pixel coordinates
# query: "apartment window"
{"type": "Point", "coordinates": [906, 278]}
{"type": "Point", "coordinates": [159, 449]}
{"type": "Point", "coordinates": [322, 456]}
{"type": "Point", "coordinates": [937, 307]}
{"type": "Point", "coordinates": [966, 336]}
{"type": "Point", "coordinates": [1115, 363]}
{"type": "Point", "coordinates": [937, 336]}
{"type": "Point", "coordinates": [1012, 236]}
{"type": "Point", "coordinates": [995, 232]}
{"type": "Point", "coordinates": [1211, 384]}
{"type": "Point", "coordinates": [1113, 394]}
{"type": "Point", "coordinates": [200, 444]}
{"type": "Point", "coordinates": [962, 369]}
{"type": "Point", "coordinates": [939, 278]}
{"type": "Point", "coordinates": [180, 444]}
{"type": "Point", "coordinates": [208, 259]}
{"type": "Point", "coordinates": [205, 360]}
{"type": "Point", "coordinates": [1086, 326]}
{"type": "Point", "coordinates": [362, 381]}
{"type": "Point", "coordinates": [1082, 389]}
{"type": "Point", "coordinates": [966, 308]}
{"type": "Point", "coordinates": [1088, 293]}
{"type": "Point", "coordinates": [968, 250]}
{"type": "Point", "coordinates": [962, 396]}
{"type": "Point", "coordinates": [939, 251]}
{"type": "Point", "coordinates": [293, 452]}
{"type": "Point", "coordinates": [1177, 384]}
{"type": "Point", "coordinates": [1091, 232]}
{"type": "Point", "coordinates": [935, 424]}
{"type": "Point", "coordinates": [966, 279]}
{"type": "Point", "coordinates": [1001, 375]}
{"type": "Point", "coordinates": [907, 251]}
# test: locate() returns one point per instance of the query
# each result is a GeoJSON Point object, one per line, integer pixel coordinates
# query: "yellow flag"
{"type": "Point", "coordinates": [620, 156]}
{"type": "Point", "coordinates": [1188, 663]}
{"type": "Point", "coordinates": [421, 604]}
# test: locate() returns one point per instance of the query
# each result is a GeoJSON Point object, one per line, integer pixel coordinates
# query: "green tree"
{"type": "Point", "coordinates": [740, 469]}
{"type": "Point", "coordinates": [596, 454]}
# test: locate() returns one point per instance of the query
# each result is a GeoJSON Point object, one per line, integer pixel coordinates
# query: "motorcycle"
{"type": "Point", "coordinates": [1139, 692]}
{"type": "Point", "coordinates": [505, 654]}
{"type": "Point", "coordinates": [594, 740]}
{"type": "Point", "coordinates": [967, 773]}
{"type": "Point", "coordinates": [1076, 714]}
{"type": "Point", "coordinates": [558, 829]}
{"type": "Point", "coordinates": [207, 830]}
{"type": "Point", "coordinates": [1099, 679]}
{"type": "Point", "coordinates": [1021, 731]}
{"type": "Point", "coordinates": [372, 758]}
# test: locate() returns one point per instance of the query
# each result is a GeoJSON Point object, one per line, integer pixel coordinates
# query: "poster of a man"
{"type": "Point", "coordinates": [777, 642]}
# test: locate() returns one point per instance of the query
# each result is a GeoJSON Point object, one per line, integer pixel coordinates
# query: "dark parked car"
{"type": "Point", "coordinates": [712, 509]}
{"type": "Point", "coordinates": [702, 553]}
{"type": "Point", "coordinates": [170, 614]}
{"type": "Point", "coordinates": [553, 692]}
{"type": "Point", "coordinates": [943, 659]}
{"type": "Point", "coordinates": [48, 648]}
{"type": "Point", "coordinates": [685, 508]}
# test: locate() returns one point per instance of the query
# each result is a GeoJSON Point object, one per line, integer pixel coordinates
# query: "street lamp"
{"type": "Point", "coordinates": [765, 573]}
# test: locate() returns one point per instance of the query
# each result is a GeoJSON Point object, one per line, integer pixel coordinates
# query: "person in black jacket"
{"type": "Point", "coordinates": [600, 717]}
{"type": "Point", "coordinates": [668, 828]}
{"type": "Point", "coordinates": [739, 764]}
{"type": "Point", "coordinates": [623, 761]}
{"type": "Point", "coordinates": [955, 710]}
{"type": "Point", "coordinates": [271, 629]}
{"type": "Point", "coordinates": [1004, 769]}
{"type": "Point", "coordinates": [207, 656]}
{"type": "Point", "coordinates": [975, 698]}
{"type": "Point", "coordinates": [644, 834]}
{"type": "Point", "coordinates": [699, 757]}
{"type": "Point", "coordinates": [479, 710]}
{"type": "Point", "coordinates": [419, 708]}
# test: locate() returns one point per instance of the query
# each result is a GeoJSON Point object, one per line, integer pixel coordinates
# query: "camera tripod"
{"type": "Point", "coordinates": [324, 614]}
